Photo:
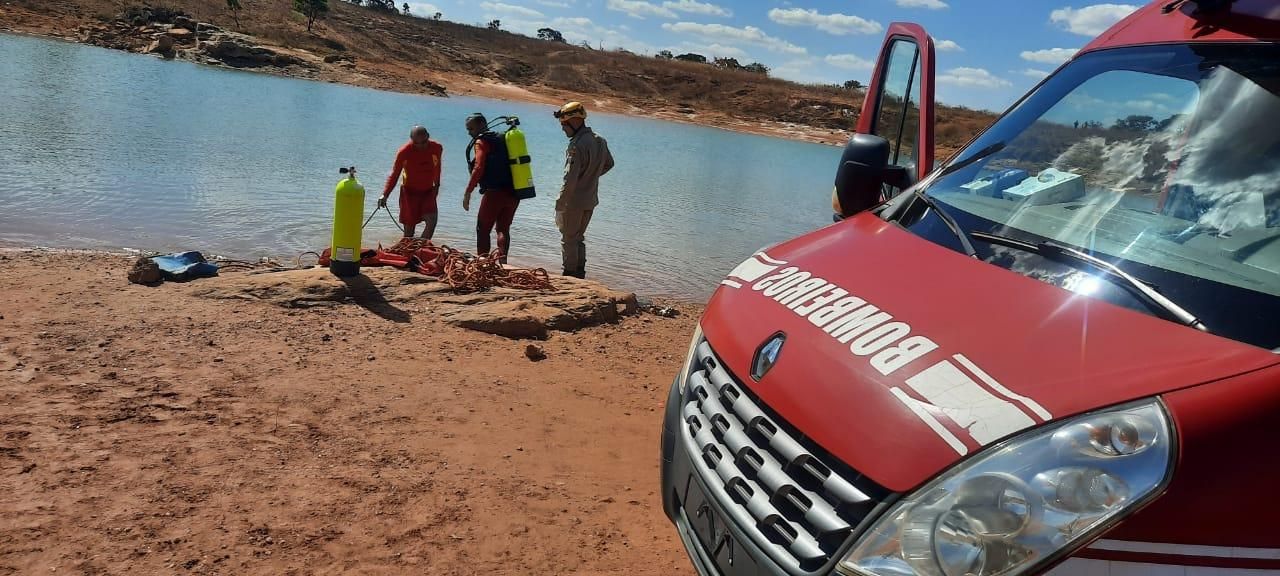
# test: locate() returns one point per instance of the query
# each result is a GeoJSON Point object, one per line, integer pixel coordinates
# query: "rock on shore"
{"type": "Point", "coordinates": [506, 312]}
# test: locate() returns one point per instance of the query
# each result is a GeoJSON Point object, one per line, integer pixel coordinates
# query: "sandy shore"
{"type": "Point", "coordinates": [147, 430]}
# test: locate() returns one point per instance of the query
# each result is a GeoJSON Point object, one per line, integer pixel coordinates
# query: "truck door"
{"type": "Point", "coordinates": [899, 104]}
{"type": "Point", "coordinates": [893, 146]}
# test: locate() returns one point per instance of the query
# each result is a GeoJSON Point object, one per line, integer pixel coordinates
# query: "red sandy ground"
{"type": "Point", "coordinates": [147, 431]}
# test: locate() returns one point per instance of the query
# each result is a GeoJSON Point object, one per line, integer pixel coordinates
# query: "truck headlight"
{"type": "Point", "coordinates": [1022, 503]}
{"type": "Point", "coordinates": [688, 366]}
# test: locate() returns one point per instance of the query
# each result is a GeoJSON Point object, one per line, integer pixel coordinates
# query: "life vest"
{"type": "Point", "coordinates": [497, 168]}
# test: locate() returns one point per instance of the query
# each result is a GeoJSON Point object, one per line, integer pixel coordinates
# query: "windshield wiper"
{"type": "Point", "coordinates": [970, 159]}
{"type": "Point", "coordinates": [1065, 254]}
{"type": "Point", "coordinates": [949, 221]}
{"type": "Point", "coordinates": [946, 217]}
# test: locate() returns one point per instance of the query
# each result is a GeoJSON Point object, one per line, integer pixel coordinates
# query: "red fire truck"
{"type": "Point", "coordinates": [1053, 352]}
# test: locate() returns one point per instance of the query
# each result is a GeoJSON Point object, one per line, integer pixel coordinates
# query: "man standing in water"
{"type": "Point", "coordinates": [585, 161]}
{"type": "Point", "coordinates": [419, 161]}
{"type": "Point", "coordinates": [491, 171]}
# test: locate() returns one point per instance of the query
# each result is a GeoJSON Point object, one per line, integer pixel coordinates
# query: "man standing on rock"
{"type": "Point", "coordinates": [419, 161]}
{"type": "Point", "coordinates": [585, 161]}
{"type": "Point", "coordinates": [491, 171]}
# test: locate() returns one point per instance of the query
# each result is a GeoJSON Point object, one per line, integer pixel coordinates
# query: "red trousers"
{"type": "Point", "coordinates": [497, 210]}
{"type": "Point", "coordinates": [416, 205]}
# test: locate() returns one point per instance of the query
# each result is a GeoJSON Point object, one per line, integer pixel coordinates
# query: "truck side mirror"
{"type": "Point", "coordinates": [860, 174]}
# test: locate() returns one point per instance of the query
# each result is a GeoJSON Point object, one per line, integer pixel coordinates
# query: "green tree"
{"type": "Point", "coordinates": [691, 57]}
{"type": "Point", "coordinates": [665, 55]}
{"type": "Point", "coordinates": [727, 63]}
{"type": "Point", "coordinates": [437, 16]}
{"type": "Point", "coordinates": [312, 9]}
{"type": "Point", "coordinates": [1136, 123]}
{"type": "Point", "coordinates": [853, 85]}
{"type": "Point", "coordinates": [550, 34]}
{"type": "Point", "coordinates": [495, 24]}
{"type": "Point", "coordinates": [406, 8]}
{"type": "Point", "coordinates": [757, 68]}
{"type": "Point", "coordinates": [235, 7]}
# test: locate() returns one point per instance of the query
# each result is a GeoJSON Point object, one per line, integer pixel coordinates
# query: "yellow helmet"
{"type": "Point", "coordinates": [571, 110]}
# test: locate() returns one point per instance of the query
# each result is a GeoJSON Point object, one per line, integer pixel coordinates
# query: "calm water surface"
{"type": "Point", "coordinates": [103, 149]}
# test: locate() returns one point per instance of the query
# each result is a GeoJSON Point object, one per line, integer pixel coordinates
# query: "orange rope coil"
{"type": "Point", "coordinates": [465, 272]}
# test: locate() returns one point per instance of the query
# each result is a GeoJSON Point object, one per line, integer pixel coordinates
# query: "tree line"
{"type": "Point", "coordinates": [724, 63]}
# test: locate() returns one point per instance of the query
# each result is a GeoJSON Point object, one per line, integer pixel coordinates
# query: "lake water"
{"type": "Point", "coordinates": [103, 149]}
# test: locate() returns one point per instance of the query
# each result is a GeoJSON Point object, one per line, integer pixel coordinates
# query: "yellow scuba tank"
{"type": "Point", "coordinates": [521, 164]}
{"type": "Point", "coordinates": [348, 210]}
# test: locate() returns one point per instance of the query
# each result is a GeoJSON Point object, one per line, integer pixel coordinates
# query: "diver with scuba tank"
{"type": "Point", "coordinates": [500, 169]}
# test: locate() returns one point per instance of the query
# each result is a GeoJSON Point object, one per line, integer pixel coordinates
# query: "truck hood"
{"type": "Point", "coordinates": [902, 357]}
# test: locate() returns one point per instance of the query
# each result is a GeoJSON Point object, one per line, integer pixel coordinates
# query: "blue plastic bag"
{"type": "Point", "coordinates": [184, 266]}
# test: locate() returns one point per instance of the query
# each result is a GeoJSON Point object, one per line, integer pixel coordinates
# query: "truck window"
{"type": "Point", "coordinates": [899, 117]}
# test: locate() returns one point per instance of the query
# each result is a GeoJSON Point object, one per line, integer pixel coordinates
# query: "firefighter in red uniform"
{"type": "Point", "coordinates": [491, 172]}
{"type": "Point", "coordinates": [419, 160]}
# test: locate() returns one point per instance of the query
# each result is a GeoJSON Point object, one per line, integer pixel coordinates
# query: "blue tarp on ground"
{"type": "Point", "coordinates": [184, 266]}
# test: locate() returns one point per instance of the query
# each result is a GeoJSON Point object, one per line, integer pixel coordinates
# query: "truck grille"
{"type": "Point", "coordinates": [777, 490]}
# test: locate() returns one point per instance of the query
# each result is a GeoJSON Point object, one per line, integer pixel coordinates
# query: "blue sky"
{"type": "Point", "coordinates": [989, 51]}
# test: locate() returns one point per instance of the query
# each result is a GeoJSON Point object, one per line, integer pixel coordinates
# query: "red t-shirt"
{"type": "Point", "coordinates": [420, 165]}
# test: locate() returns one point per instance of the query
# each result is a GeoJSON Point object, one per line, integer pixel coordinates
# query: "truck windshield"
{"type": "Point", "coordinates": [1162, 160]}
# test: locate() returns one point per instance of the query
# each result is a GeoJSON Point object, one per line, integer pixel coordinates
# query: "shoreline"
{"type": "Point", "coordinates": [463, 85]}
{"type": "Point", "coordinates": [14, 249]}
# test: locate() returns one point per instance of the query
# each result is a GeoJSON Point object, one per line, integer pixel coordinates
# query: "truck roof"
{"type": "Point", "coordinates": [1169, 21]}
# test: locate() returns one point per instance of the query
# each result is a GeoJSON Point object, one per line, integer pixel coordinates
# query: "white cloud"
{"type": "Point", "coordinates": [579, 29]}
{"type": "Point", "coordinates": [554, 3]}
{"type": "Point", "coordinates": [696, 7]}
{"type": "Point", "coordinates": [930, 4]}
{"type": "Point", "coordinates": [1090, 20]}
{"type": "Point", "coordinates": [640, 9]}
{"type": "Point", "coordinates": [511, 10]}
{"type": "Point", "coordinates": [746, 34]}
{"type": "Point", "coordinates": [422, 9]}
{"type": "Point", "coordinates": [839, 24]}
{"type": "Point", "coordinates": [1048, 56]}
{"type": "Point", "coordinates": [947, 46]}
{"type": "Point", "coordinates": [849, 62]}
{"type": "Point", "coordinates": [714, 50]}
{"type": "Point", "coordinates": [1034, 73]}
{"type": "Point", "coordinates": [800, 70]}
{"type": "Point", "coordinates": [972, 78]}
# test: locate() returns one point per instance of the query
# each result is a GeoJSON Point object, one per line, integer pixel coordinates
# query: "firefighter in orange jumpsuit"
{"type": "Point", "coordinates": [419, 160]}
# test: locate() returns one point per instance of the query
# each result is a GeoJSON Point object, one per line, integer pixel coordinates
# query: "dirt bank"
{"type": "Point", "coordinates": [157, 430]}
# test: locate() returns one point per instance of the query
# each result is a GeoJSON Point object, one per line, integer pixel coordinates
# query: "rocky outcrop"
{"type": "Point", "coordinates": [239, 51]}
{"type": "Point", "coordinates": [393, 294]}
{"type": "Point", "coordinates": [175, 35]}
